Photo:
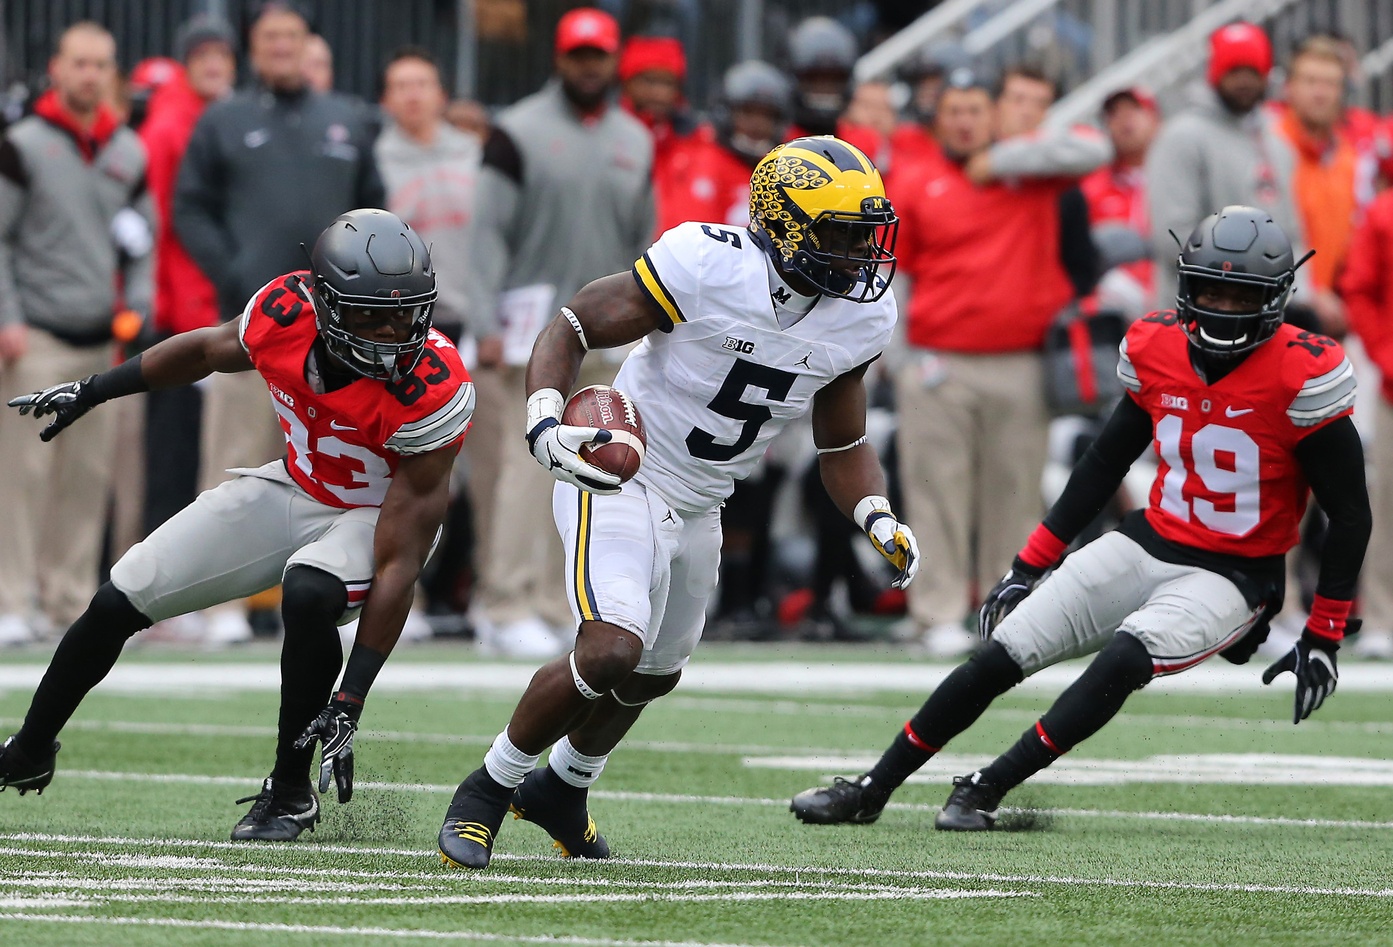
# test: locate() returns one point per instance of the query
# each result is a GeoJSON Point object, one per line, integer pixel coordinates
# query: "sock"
{"type": "Point", "coordinates": [1081, 711]}
{"type": "Point", "coordinates": [506, 764]}
{"type": "Point", "coordinates": [575, 768]}
{"type": "Point", "coordinates": [86, 654]}
{"type": "Point", "coordinates": [312, 601]}
{"type": "Point", "coordinates": [951, 708]}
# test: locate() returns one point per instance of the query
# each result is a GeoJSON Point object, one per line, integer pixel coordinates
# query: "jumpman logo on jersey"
{"type": "Point", "coordinates": [669, 518]}
{"type": "Point", "coordinates": [804, 360]}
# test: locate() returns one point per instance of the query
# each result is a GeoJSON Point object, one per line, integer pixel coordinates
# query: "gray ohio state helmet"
{"type": "Point", "coordinates": [752, 83]}
{"type": "Point", "coordinates": [1237, 245]}
{"type": "Point", "coordinates": [372, 259]}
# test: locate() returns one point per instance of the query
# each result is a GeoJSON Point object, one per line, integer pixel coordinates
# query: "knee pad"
{"type": "Point", "coordinates": [310, 595]}
{"type": "Point", "coordinates": [994, 667]}
{"type": "Point", "coordinates": [114, 610]}
{"type": "Point", "coordinates": [636, 690]}
{"type": "Point", "coordinates": [1125, 660]}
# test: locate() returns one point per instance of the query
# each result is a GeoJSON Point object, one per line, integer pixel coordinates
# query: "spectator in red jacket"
{"type": "Point", "coordinates": [184, 298]}
{"type": "Point", "coordinates": [652, 70]}
{"type": "Point", "coordinates": [1367, 287]}
{"type": "Point", "coordinates": [979, 241]}
{"type": "Point", "coordinates": [1116, 196]}
{"type": "Point", "coordinates": [707, 177]}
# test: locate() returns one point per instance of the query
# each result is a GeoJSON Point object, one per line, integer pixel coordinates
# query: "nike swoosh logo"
{"type": "Point", "coordinates": [1229, 412]}
{"type": "Point", "coordinates": [341, 427]}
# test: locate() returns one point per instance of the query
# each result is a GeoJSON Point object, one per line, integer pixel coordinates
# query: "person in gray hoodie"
{"type": "Point", "coordinates": [74, 213]}
{"type": "Point", "coordinates": [1217, 152]}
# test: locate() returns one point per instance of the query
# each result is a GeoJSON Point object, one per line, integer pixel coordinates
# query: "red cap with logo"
{"type": "Point", "coordinates": [646, 53]}
{"type": "Point", "coordinates": [586, 27]}
{"type": "Point", "coordinates": [1237, 46]}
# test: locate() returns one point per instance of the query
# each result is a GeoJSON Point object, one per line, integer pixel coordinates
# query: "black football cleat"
{"type": "Point", "coordinates": [971, 806]}
{"type": "Point", "coordinates": [560, 809]}
{"type": "Point", "coordinates": [277, 814]}
{"type": "Point", "coordinates": [24, 772]}
{"type": "Point", "coordinates": [473, 820]}
{"type": "Point", "coordinates": [846, 800]}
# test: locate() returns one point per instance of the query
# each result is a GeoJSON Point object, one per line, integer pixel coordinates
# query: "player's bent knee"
{"type": "Point", "coordinates": [114, 610]}
{"type": "Point", "coordinates": [994, 667]}
{"type": "Point", "coordinates": [606, 654]}
{"type": "Point", "coordinates": [1126, 660]}
{"type": "Point", "coordinates": [311, 596]}
{"type": "Point", "coordinates": [638, 689]}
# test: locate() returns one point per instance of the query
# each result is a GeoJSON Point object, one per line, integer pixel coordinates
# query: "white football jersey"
{"type": "Point", "coordinates": [718, 384]}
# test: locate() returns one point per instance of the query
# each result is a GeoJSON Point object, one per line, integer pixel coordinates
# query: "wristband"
{"type": "Point", "coordinates": [124, 379]}
{"type": "Point", "coordinates": [866, 510]}
{"type": "Point", "coordinates": [358, 676]}
{"type": "Point", "coordinates": [1328, 617]}
{"type": "Point", "coordinates": [1043, 549]}
{"type": "Point", "coordinates": [541, 405]}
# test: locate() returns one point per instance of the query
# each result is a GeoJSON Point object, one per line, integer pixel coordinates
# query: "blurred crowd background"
{"type": "Point", "coordinates": [162, 160]}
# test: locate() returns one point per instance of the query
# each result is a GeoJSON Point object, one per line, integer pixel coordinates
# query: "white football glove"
{"type": "Point", "coordinates": [556, 446]}
{"type": "Point", "coordinates": [892, 539]}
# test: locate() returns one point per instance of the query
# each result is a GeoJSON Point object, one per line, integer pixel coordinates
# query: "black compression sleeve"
{"type": "Point", "coordinates": [124, 379]}
{"type": "Point", "coordinates": [1098, 475]}
{"type": "Point", "coordinates": [1333, 461]}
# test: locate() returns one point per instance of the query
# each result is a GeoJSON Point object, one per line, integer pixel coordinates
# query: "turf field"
{"type": "Point", "coordinates": [1201, 816]}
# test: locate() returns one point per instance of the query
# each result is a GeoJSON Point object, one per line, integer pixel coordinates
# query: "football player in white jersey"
{"type": "Point", "coordinates": [740, 331]}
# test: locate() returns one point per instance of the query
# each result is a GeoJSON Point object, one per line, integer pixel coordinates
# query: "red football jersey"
{"type": "Point", "coordinates": [1228, 479]}
{"type": "Point", "coordinates": [343, 446]}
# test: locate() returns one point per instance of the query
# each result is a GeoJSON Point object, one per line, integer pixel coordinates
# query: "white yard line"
{"type": "Point", "coordinates": [341, 931]}
{"type": "Point", "coordinates": [1218, 769]}
{"type": "Point", "coordinates": [767, 677]}
{"type": "Point", "coordinates": [799, 872]}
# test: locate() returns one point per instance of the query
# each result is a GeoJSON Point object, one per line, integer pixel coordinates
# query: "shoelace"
{"type": "Point", "coordinates": [263, 802]}
{"type": "Point", "coordinates": [475, 832]}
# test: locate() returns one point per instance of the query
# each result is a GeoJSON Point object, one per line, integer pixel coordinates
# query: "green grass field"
{"type": "Point", "coordinates": [1195, 818]}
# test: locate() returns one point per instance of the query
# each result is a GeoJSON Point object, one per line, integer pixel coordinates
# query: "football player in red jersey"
{"type": "Point", "coordinates": [1246, 415]}
{"type": "Point", "coordinates": [374, 404]}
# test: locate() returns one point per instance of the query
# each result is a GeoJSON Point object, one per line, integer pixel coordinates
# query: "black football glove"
{"type": "Point", "coordinates": [1312, 661]}
{"type": "Point", "coordinates": [66, 402]}
{"type": "Point", "coordinates": [1006, 595]}
{"type": "Point", "coordinates": [334, 729]}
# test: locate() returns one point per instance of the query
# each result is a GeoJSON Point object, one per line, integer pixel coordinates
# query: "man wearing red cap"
{"type": "Point", "coordinates": [1217, 152]}
{"type": "Point", "coordinates": [1367, 286]}
{"type": "Point", "coordinates": [651, 72]}
{"type": "Point", "coordinates": [564, 197]}
{"type": "Point", "coordinates": [1116, 196]}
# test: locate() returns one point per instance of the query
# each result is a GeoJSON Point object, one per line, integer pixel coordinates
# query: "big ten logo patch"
{"type": "Point", "coordinates": [738, 345]}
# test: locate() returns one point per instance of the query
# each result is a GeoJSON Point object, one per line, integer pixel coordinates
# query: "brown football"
{"type": "Point", "coordinates": [609, 408]}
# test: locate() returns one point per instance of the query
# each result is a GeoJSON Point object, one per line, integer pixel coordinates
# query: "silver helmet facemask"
{"type": "Point", "coordinates": [369, 262]}
{"type": "Point", "coordinates": [387, 361]}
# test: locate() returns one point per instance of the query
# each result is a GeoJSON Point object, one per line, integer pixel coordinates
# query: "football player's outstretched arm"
{"type": "Point", "coordinates": [179, 360]}
{"type": "Point", "coordinates": [852, 474]}
{"type": "Point", "coordinates": [608, 312]}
